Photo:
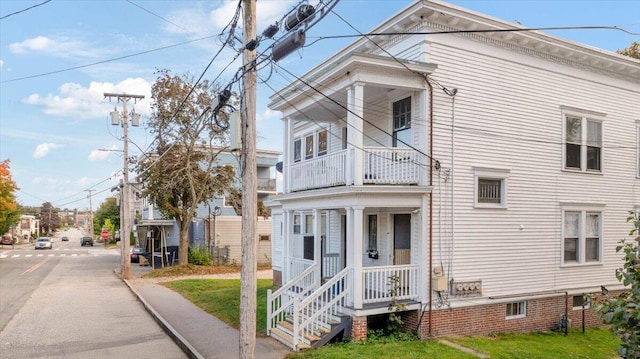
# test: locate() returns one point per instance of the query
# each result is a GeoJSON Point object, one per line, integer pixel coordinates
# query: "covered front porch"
{"type": "Point", "coordinates": [357, 251]}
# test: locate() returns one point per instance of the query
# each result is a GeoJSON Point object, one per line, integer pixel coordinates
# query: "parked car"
{"type": "Point", "coordinates": [44, 242]}
{"type": "Point", "coordinates": [86, 241]}
{"type": "Point", "coordinates": [136, 253]}
{"type": "Point", "coordinates": [7, 241]}
{"type": "Point", "coordinates": [65, 238]}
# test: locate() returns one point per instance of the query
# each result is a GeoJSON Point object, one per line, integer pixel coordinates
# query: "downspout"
{"type": "Point", "coordinates": [431, 164]}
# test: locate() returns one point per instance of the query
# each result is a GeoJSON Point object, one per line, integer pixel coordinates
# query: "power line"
{"type": "Point", "coordinates": [23, 10]}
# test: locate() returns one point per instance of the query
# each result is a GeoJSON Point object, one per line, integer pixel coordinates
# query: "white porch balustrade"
{"type": "Point", "coordinates": [380, 165]}
{"type": "Point", "coordinates": [378, 283]}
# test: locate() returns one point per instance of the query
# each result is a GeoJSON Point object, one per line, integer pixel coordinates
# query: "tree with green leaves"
{"type": "Point", "coordinates": [622, 312]}
{"type": "Point", "coordinates": [108, 211]}
{"type": "Point", "coordinates": [9, 214]}
{"type": "Point", "coordinates": [632, 51]}
{"type": "Point", "coordinates": [184, 172]}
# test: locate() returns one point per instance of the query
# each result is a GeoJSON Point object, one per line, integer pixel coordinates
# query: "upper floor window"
{"type": "Point", "coordinates": [582, 236]}
{"type": "Point", "coordinates": [583, 141]}
{"type": "Point", "coordinates": [402, 122]}
{"type": "Point", "coordinates": [322, 143]}
{"type": "Point", "coordinates": [308, 147]}
{"type": "Point", "coordinates": [297, 150]}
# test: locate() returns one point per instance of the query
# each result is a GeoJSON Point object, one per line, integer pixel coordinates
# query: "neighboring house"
{"type": "Point", "coordinates": [29, 227]}
{"type": "Point", "coordinates": [489, 173]}
{"type": "Point", "coordinates": [216, 223]}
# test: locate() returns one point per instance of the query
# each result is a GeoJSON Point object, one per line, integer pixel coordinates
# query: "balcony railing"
{"type": "Point", "coordinates": [380, 165]}
{"type": "Point", "coordinates": [267, 184]}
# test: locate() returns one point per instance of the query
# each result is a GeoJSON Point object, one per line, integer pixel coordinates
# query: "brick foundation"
{"type": "Point", "coordinates": [359, 329]}
{"type": "Point", "coordinates": [277, 278]}
{"type": "Point", "coordinates": [542, 314]}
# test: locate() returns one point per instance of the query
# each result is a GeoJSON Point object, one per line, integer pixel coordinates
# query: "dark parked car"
{"type": "Point", "coordinates": [86, 241]}
{"type": "Point", "coordinates": [65, 239]}
{"type": "Point", "coordinates": [7, 241]}
{"type": "Point", "coordinates": [136, 253]}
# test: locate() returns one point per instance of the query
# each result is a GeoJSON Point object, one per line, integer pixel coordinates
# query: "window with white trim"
{"type": "Point", "coordinates": [516, 310]}
{"type": "Point", "coordinates": [322, 143]}
{"type": "Point", "coordinates": [308, 223]}
{"type": "Point", "coordinates": [308, 147]}
{"type": "Point", "coordinates": [581, 236]}
{"type": "Point", "coordinates": [296, 224]}
{"type": "Point", "coordinates": [582, 140]}
{"type": "Point", "coordinates": [297, 150]}
{"type": "Point", "coordinates": [490, 187]}
{"type": "Point", "coordinates": [402, 123]}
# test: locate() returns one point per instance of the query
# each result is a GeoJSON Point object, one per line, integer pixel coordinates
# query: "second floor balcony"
{"type": "Point", "coordinates": [368, 166]}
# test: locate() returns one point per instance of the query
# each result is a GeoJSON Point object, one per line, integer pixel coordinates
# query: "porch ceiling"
{"type": "Point", "coordinates": [348, 196]}
{"type": "Point", "coordinates": [327, 99]}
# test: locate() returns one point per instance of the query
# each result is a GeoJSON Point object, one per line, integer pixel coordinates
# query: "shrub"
{"type": "Point", "coordinates": [199, 256]}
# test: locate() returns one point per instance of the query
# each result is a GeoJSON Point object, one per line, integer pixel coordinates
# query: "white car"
{"type": "Point", "coordinates": [44, 242]}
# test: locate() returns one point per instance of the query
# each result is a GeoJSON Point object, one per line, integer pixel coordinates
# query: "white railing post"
{"type": "Point", "coordinates": [269, 311]}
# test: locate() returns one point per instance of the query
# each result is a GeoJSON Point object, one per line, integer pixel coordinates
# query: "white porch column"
{"type": "Point", "coordinates": [287, 232]}
{"type": "Point", "coordinates": [317, 241]}
{"type": "Point", "coordinates": [349, 253]}
{"type": "Point", "coordinates": [355, 115]}
{"type": "Point", "coordinates": [288, 154]}
{"type": "Point", "coordinates": [357, 256]}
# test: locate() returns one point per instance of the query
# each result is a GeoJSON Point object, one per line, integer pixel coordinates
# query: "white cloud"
{"type": "Point", "coordinates": [101, 154]}
{"type": "Point", "coordinates": [1, 63]}
{"type": "Point", "coordinates": [43, 149]}
{"type": "Point", "coordinates": [268, 114]}
{"type": "Point", "coordinates": [62, 46]}
{"type": "Point", "coordinates": [78, 102]}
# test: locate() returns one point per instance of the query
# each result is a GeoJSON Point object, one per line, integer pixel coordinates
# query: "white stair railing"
{"type": "Point", "coordinates": [280, 302]}
{"type": "Point", "coordinates": [312, 315]}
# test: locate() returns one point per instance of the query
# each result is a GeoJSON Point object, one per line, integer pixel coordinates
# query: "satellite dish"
{"type": "Point", "coordinates": [279, 166]}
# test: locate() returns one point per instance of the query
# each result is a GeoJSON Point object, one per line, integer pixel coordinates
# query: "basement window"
{"type": "Point", "coordinates": [516, 310]}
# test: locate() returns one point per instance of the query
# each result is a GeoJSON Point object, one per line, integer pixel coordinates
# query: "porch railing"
{"type": "Point", "coordinates": [391, 165]}
{"type": "Point", "coordinates": [330, 265]}
{"type": "Point", "coordinates": [323, 171]}
{"type": "Point", "coordinates": [299, 265]}
{"type": "Point", "coordinates": [280, 302]}
{"type": "Point", "coordinates": [378, 283]}
{"type": "Point", "coordinates": [380, 165]}
{"type": "Point", "coordinates": [314, 314]}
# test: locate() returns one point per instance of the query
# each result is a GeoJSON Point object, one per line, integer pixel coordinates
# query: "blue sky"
{"type": "Point", "coordinates": [54, 119]}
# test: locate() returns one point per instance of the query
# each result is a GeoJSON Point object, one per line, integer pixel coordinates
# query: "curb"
{"type": "Point", "coordinates": [186, 347]}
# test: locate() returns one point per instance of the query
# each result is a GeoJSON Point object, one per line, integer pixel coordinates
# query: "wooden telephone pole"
{"type": "Point", "coordinates": [125, 219]}
{"type": "Point", "coordinates": [248, 287]}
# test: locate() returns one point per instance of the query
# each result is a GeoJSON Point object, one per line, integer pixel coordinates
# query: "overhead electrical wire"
{"type": "Point", "coordinates": [23, 10]}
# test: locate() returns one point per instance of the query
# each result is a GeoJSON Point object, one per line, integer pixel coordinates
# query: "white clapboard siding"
{"type": "Point", "coordinates": [508, 116]}
{"type": "Point", "coordinates": [229, 230]}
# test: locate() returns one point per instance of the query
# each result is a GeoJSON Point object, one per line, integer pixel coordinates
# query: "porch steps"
{"type": "Point", "coordinates": [283, 332]}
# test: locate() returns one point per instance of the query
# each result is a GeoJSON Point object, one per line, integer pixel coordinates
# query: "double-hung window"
{"type": "Point", "coordinates": [581, 235]}
{"type": "Point", "coordinates": [582, 140]}
{"type": "Point", "coordinates": [402, 123]}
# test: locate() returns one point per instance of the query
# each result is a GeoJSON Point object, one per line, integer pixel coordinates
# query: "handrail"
{"type": "Point", "coordinates": [313, 314]}
{"type": "Point", "coordinates": [279, 302]}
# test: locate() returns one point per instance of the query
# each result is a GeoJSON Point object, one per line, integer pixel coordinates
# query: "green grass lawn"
{"type": "Point", "coordinates": [593, 344]}
{"type": "Point", "coordinates": [221, 298]}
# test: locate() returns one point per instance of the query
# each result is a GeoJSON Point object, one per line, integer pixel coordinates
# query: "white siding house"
{"type": "Point", "coordinates": [491, 173]}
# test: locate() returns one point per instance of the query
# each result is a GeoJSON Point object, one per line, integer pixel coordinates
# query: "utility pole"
{"type": "Point", "coordinates": [248, 286]}
{"type": "Point", "coordinates": [125, 220]}
{"type": "Point", "coordinates": [90, 212]}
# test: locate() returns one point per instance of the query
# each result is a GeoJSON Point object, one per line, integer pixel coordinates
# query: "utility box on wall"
{"type": "Point", "coordinates": [439, 284]}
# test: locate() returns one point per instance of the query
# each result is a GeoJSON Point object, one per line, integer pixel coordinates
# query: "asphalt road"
{"type": "Point", "coordinates": [67, 303]}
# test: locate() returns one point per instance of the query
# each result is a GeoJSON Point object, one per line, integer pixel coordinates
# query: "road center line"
{"type": "Point", "coordinates": [36, 266]}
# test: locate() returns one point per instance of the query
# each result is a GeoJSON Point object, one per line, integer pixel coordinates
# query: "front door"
{"type": "Point", "coordinates": [401, 239]}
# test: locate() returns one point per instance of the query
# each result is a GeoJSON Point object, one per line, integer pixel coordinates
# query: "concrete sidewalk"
{"type": "Point", "coordinates": [199, 334]}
